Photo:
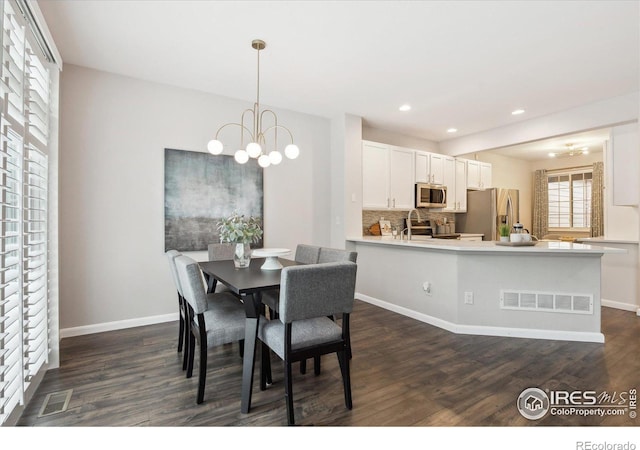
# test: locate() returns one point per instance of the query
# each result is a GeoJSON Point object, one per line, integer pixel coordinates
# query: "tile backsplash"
{"type": "Point", "coordinates": [396, 217]}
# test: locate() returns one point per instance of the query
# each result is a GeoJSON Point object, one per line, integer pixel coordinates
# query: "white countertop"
{"type": "Point", "coordinates": [488, 246]}
{"type": "Point", "coordinates": [604, 240]}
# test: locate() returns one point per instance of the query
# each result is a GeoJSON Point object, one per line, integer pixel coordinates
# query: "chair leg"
{"type": "Point", "coordinates": [265, 367]}
{"type": "Point", "coordinates": [303, 366]}
{"type": "Point", "coordinates": [187, 350]}
{"type": "Point", "coordinates": [316, 365]}
{"type": "Point", "coordinates": [191, 347]}
{"type": "Point", "coordinates": [202, 372]}
{"type": "Point", "coordinates": [181, 325]}
{"type": "Point", "coordinates": [343, 360]}
{"type": "Point", "coordinates": [241, 345]}
{"type": "Point", "coordinates": [288, 392]}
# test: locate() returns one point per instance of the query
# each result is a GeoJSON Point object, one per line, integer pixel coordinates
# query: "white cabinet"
{"type": "Point", "coordinates": [387, 177]}
{"type": "Point", "coordinates": [429, 167]}
{"type": "Point", "coordinates": [401, 184]}
{"type": "Point", "coordinates": [375, 175]}
{"type": "Point", "coordinates": [624, 156]}
{"type": "Point", "coordinates": [437, 168]}
{"type": "Point", "coordinates": [478, 175]}
{"type": "Point", "coordinates": [485, 175]}
{"type": "Point", "coordinates": [449, 180]}
{"type": "Point", "coordinates": [456, 181]}
{"type": "Point", "coordinates": [423, 173]}
{"type": "Point", "coordinates": [460, 204]}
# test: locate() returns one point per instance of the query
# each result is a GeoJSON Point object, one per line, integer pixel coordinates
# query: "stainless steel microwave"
{"type": "Point", "coordinates": [431, 196]}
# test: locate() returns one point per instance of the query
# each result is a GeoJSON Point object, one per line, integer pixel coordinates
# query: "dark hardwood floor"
{"type": "Point", "coordinates": [404, 373]}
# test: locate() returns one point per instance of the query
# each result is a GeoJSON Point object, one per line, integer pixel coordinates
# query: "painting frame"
{"type": "Point", "coordinates": [200, 189]}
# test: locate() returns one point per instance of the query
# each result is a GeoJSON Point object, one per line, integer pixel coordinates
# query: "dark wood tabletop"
{"type": "Point", "coordinates": [245, 281]}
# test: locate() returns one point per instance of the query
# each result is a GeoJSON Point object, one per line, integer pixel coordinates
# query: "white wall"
{"type": "Point", "coordinates": [400, 140]}
{"type": "Point", "coordinates": [346, 178]}
{"type": "Point", "coordinates": [113, 133]}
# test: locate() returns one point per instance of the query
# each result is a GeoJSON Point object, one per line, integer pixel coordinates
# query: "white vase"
{"type": "Point", "coordinates": [242, 256]}
{"type": "Point", "coordinates": [504, 238]}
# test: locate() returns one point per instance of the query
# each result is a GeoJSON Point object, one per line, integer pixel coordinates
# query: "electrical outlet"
{"type": "Point", "coordinates": [468, 298]}
{"type": "Point", "coordinates": [426, 286]}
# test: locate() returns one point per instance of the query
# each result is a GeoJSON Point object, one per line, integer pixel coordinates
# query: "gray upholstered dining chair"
{"type": "Point", "coordinates": [335, 255]}
{"type": "Point", "coordinates": [212, 319]}
{"type": "Point", "coordinates": [171, 255]}
{"type": "Point", "coordinates": [329, 255]}
{"type": "Point", "coordinates": [220, 252]}
{"type": "Point", "coordinates": [305, 254]}
{"type": "Point", "coordinates": [309, 294]}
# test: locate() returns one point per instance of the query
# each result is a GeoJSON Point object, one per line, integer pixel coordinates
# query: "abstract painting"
{"type": "Point", "coordinates": [199, 190]}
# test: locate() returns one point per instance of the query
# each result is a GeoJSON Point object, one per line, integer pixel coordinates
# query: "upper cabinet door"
{"type": "Point", "coordinates": [401, 178]}
{"type": "Point", "coordinates": [437, 168]}
{"type": "Point", "coordinates": [478, 175]}
{"type": "Point", "coordinates": [375, 175]}
{"type": "Point", "coordinates": [449, 180]}
{"type": "Point", "coordinates": [422, 167]}
{"type": "Point", "coordinates": [473, 174]}
{"type": "Point", "coordinates": [461, 185]}
{"type": "Point", "coordinates": [485, 175]}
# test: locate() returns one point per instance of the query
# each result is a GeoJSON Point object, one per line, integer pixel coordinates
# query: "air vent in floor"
{"type": "Point", "coordinates": [546, 301]}
{"type": "Point", "coordinates": [55, 403]}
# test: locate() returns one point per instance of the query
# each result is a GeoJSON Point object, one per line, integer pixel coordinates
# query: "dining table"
{"type": "Point", "coordinates": [248, 283]}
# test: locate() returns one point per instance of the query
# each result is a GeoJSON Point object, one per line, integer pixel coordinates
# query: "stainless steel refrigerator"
{"type": "Point", "coordinates": [487, 210]}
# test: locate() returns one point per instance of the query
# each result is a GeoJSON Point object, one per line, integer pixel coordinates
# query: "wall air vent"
{"type": "Point", "coordinates": [546, 301]}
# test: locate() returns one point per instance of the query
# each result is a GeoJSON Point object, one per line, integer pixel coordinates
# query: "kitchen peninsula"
{"type": "Point", "coordinates": [550, 290]}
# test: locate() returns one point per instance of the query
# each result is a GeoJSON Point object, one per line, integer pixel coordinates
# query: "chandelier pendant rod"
{"type": "Point", "coordinates": [258, 45]}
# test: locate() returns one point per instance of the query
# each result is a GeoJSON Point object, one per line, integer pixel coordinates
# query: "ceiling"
{"type": "Point", "coordinates": [459, 64]}
{"type": "Point", "coordinates": [539, 150]}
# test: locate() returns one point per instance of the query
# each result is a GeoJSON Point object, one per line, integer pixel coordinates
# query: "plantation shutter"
{"type": "Point", "coordinates": [25, 112]}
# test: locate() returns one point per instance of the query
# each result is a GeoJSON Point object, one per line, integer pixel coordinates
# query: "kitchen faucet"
{"type": "Point", "coordinates": [409, 222]}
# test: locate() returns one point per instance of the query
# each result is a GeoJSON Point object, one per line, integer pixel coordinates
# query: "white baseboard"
{"type": "Point", "coordinates": [619, 305]}
{"type": "Point", "coordinates": [117, 325]}
{"type": "Point", "coordinates": [482, 330]}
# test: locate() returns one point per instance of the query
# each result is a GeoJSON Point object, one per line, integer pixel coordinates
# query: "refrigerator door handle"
{"type": "Point", "coordinates": [510, 212]}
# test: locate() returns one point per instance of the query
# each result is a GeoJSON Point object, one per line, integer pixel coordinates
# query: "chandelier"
{"type": "Point", "coordinates": [254, 133]}
{"type": "Point", "coordinates": [571, 151]}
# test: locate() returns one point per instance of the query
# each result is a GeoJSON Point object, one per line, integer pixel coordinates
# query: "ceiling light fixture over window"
{"type": "Point", "coordinates": [570, 151]}
{"type": "Point", "coordinates": [517, 112]}
{"type": "Point", "coordinates": [257, 146]}
{"type": "Point", "coordinates": [452, 130]}
{"type": "Point", "coordinates": [405, 107]}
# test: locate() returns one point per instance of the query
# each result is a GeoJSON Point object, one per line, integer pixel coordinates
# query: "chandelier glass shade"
{"type": "Point", "coordinates": [252, 130]}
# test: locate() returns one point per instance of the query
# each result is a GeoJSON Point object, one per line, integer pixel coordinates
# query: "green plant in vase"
{"type": "Point", "coordinates": [242, 231]}
{"type": "Point", "coordinates": [504, 231]}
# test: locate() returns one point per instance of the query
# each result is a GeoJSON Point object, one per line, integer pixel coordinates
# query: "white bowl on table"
{"type": "Point", "coordinates": [271, 255]}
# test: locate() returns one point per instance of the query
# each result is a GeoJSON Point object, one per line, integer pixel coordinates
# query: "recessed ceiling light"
{"type": "Point", "coordinates": [405, 107]}
{"type": "Point", "coordinates": [552, 155]}
{"type": "Point", "coordinates": [452, 130]}
{"type": "Point", "coordinates": [585, 152]}
{"type": "Point", "coordinates": [517, 111]}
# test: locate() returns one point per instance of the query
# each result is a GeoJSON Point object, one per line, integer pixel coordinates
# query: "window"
{"type": "Point", "coordinates": [25, 92]}
{"type": "Point", "coordinates": [570, 200]}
